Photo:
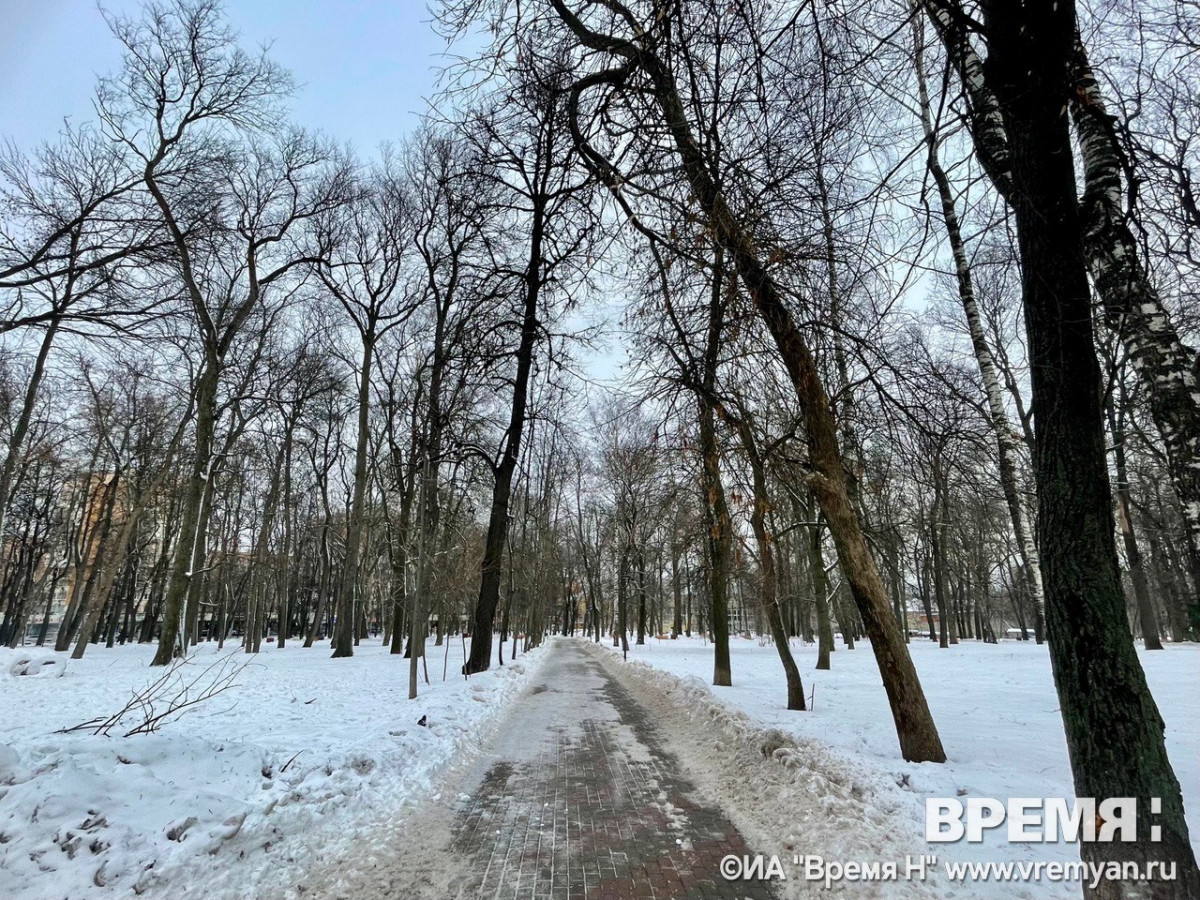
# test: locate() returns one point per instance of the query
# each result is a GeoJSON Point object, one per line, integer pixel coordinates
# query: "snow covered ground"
{"type": "Point", "coordinates": [995, 708]}
{"type": "Point", "coordinates": [296, 764]}
{"type": "Point", "coordinates": [306, 761]}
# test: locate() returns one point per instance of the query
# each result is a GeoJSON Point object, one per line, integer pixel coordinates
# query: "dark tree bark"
{"type": "Point", "coordinates": [491, 567]}
{"type": "Point", "coordinates": [1168, 368]}
{"type": "Point", "coordinates": [676, 593]}
{"type": "Point", "coordinates": [720, 529]}
{"type": "Point", "coordinates": [641, 576]}
{"type": "Point", "coordinates": [1113, 727]}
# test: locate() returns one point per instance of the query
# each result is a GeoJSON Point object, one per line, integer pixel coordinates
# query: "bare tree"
{"type": "Point", "coordinates": [630, 47]}
{"type": "Point", "coordinates": [1132, 306]}
{"type": "Point", "coordinates": [365, 270]}
{"type": "Point", "coordinates": [1006, 442]}
{"type": "Point", "coordinates": [182, 104]}
{"type": "Point", "coordinates": [527, 135]}
{"type": "Point", "coordinates": [1024, 143]}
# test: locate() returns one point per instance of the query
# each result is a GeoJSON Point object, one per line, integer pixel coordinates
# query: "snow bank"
{"type": "Point", "coordinates": [996, 710]}
{"type": "Point", "coordinates": [295, 763]}
{"type": "Point", "coordinates": [788, 796]}
{"type": "Point", "coordinates": [21, 663]}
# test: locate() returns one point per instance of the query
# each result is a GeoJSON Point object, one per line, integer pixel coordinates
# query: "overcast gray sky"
{"type": "Point", "coordinates": [363, 65]}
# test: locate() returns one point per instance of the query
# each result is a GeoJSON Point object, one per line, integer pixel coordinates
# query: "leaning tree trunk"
{"type": "Point", "coordinates": [16, 441]}
{"type": "Point", "coordinates": [1113, 727]}
{"type": "Point", "coordinates": [1167, 368]}
{"type": "Point", "coordinates": [917, 734]}
{"type": "Point", "coordinates": [111, 557]}
{"type": "Point", "coordinates": [90, 602]}
{"type": "Point", "coordinates": [844, 411]}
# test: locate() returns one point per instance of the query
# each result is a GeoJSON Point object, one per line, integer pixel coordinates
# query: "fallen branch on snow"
{"type": "Point", "coordinates": [169, 696]}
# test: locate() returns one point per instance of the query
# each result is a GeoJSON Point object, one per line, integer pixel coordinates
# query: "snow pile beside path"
{"type": "Point", "coordinates": [790, 796]}
{"type": "Point", "coordinates": [996, 709]}
{"type": "Point", "coordinates": [298, 760]}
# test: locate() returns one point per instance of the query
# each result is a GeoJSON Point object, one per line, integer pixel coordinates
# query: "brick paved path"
{"type": "Point", "coordinates": [579, 800]}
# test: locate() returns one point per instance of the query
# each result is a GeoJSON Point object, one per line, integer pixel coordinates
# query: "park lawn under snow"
{"type": "Point", "coordinates": [299, 761]}
{"type": "Point", "coordinates": [995, 707]}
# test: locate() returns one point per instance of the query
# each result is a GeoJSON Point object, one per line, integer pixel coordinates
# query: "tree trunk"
{"type": "Point", "coordinates": [256, 603]}
{"type": "Point", "coordinates": [641, 576]}
{"type": "Point", "coordinates": [1113, 727]}
{"type": "Point", "coordinates": [821, 596]}
{"type": "Point", "coordinates": [194, 515]}
{"type": "Point", "coordinates": [429, 505]}
{"type": "Point", "coordinates": [720, 529]}
{"type": "Point", "coordinates": [938, 529]}
{"type": "Point", "coordinates": [1168, 368]}
{"type": "Point", "coordinates": [111, 551]}
{"type": "Point", "coordinates": [1147, 617]}
{"type": "Point", "coordinates": [398, 538]}
{"type": "Point", "coordinates": [623, 601]}
{"type": "Point", "coordinates": [93, 536]}
{"type": "Point", "coordinates": [16, 441]}
{"type": "Point", "coordinates": [917, 734]}
{"type": "Point", "coordinates": [343, 631]}
{"type": "Point", "coordinates": [1168, 581]}
{"type": "Point", "coordinates": [497, 533]}
{"type": "Point", "coordinates": [766, 557]}
{"type": "Point", "coordinates": [677, 593]}
{"type": "Point", "coordinates": [1007, 445]}
{"type": "Point", "coordinates": [288, 578]}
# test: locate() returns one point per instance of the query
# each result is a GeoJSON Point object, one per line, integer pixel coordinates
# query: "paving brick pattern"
{"type": "Point", "coordinates": [599, 810]}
